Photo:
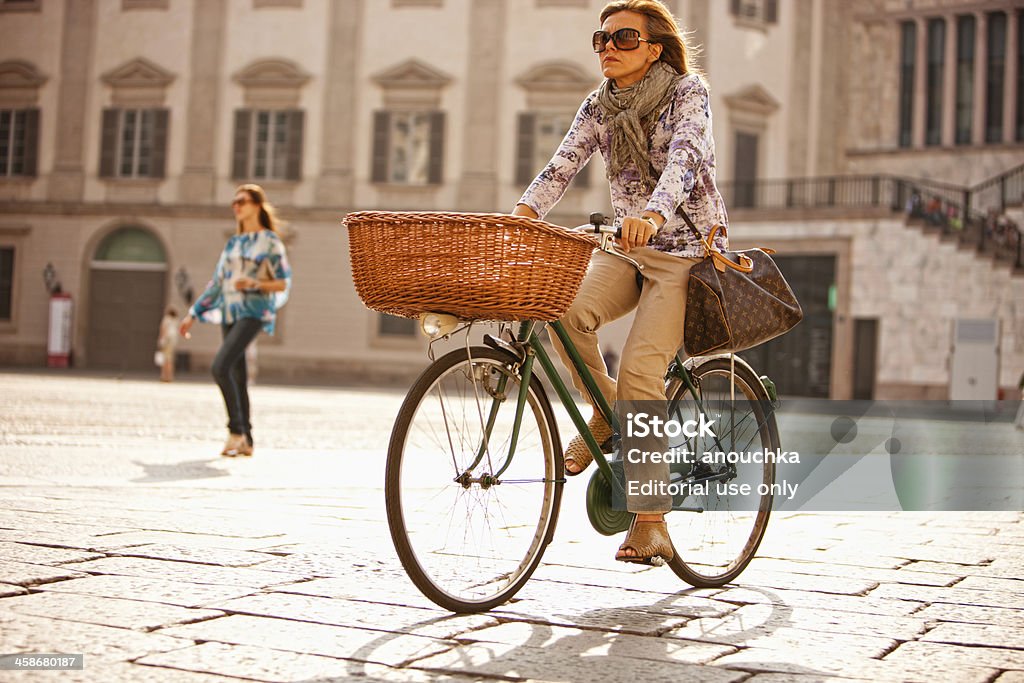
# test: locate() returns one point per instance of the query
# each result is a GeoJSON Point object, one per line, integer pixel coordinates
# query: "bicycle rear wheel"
{"type": "Point", "coordinates": [715, 533]}
{"type": "Point", "coordinates": [469, 523]}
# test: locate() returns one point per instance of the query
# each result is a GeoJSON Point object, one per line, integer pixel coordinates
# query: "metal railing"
{"type": "Point", "coordinates": [972, 215]}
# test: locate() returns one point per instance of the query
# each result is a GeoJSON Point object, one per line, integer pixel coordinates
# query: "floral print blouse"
{"type": "Point", "coordinates": [682, 152]}
{"type": "Point", "coordinates": [244, 256]}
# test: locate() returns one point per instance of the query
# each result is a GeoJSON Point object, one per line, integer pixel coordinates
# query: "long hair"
{"type": "Point", "coordinates": [662, 29]}
{"type": "Point", "coordinates": [268, 215]}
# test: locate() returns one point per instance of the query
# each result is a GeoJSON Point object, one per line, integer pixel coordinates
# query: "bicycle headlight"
{"type": "Point", "coordinates": [437, 324]}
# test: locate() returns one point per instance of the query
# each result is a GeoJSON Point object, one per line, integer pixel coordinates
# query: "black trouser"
{"type": "Point", "coordinates": [231, 375]}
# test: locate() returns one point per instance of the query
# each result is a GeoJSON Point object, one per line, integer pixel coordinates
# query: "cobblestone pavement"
{"type": "Point", "coordinates": [125, 537]}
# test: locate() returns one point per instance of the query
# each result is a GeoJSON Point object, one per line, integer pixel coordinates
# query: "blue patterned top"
{"type": "Point", "coordinates": [243, 256]}
{"type": "Point", "coordinates": [682, 152]}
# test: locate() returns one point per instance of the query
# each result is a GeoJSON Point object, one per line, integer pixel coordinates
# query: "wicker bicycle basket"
{"type": "Point", "coordinates": [475, 266]}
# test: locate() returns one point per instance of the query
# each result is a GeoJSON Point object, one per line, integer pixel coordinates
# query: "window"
{"type": "Point", "coordinates": [134, 143]}
{"type": "Point", "coordinates": [393, 326]}
{"type": "Point", "coordinates": [19, 141]}
{"type": "Point", "coordinates": [268, 144]}
{"type": "Point", "coordinates": [144, 4]}
{"type": "Point", "coordinates": [6, 282]}
{"type": "Point", "coordinates": [745, 170]}
{"type": "Point", "coordinates": [908, 47]}
{"type": "Point", "coordinates": [408, 147]}
{"type": "Point", "coordinates": [965, 27]}
{"type": "Point", "coordinates": [16, 5]}
{"type": "Point", "coordinates": [755, 12]}
{"type": "Point", "coordinates": [995, 71]}
{"type": "Point", "coordinates": [540, 133]}
{"type": "Point", "coordinates": [1020, 77]}
{"type": "Point", "coordinates": [936, 67]}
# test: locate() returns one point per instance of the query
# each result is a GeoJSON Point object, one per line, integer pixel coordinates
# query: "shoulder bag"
{"type": "Point", "coordinates": [735, 299]}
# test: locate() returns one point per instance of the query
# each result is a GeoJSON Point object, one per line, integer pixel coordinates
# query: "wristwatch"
{"type": "Point", "coordinates": [654, 223]}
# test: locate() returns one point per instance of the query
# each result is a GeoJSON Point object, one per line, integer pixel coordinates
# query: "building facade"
{"type": "Point", "coordinates": [125, 126]}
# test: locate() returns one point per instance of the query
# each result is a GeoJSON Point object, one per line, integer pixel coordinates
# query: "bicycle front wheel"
{"type": "Point", "coordinates": [469, 520]}
{"type": "Point", "coordinates": [716, 530]}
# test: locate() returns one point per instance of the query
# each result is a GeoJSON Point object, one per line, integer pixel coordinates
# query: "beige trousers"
{"type": "Point", "coordinates": [608, 292]}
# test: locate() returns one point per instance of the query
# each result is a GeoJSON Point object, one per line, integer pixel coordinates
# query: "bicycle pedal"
{"type": "Point", "coordinates": [658, 561]}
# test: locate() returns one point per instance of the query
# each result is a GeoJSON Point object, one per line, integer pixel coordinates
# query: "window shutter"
{"type": "Point", "coordinates": [524, 149]}
{"type": "Point", "coordinates": [108, 142]}
{"type": "Point", "coordinates": [160, 121]}
{"type": "Point", "coordinates": [31, 142]}
{"type": "Point", "coordinates": [296, 120]}
{"type": "Point", "coordinates": [734, 7]}
{"type": "Point", "coordinates": [381, 143]}
{"type": "Point", "coordinates": [771, 11]}
{"type": "Point", "coordinates": [240, 156]}
{"type": "Point", "coordinates": [435, 176]}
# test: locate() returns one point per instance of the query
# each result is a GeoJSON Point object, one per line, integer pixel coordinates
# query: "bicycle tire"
{"type": "Point", "coordinates": [703, 557]}
{"type": "Point", "coordinates": [456, 567]}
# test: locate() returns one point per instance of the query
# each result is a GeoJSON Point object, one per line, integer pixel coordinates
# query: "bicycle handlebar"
{"type": "Point", "coordinates": [607, 232]}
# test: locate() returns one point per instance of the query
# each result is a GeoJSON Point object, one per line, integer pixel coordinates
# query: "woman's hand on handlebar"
{"type": "Point", "coordinates": [637, 232]}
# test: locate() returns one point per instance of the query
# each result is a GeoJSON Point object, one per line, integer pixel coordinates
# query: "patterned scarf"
{"type": "Point", "coordinates": [632, 113]}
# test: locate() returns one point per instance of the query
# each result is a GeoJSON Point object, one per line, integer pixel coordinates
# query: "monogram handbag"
{"type": "Point", "coordinates": [735, 300]}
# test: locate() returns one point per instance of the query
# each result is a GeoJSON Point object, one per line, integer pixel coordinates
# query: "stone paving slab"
{"type": "Point", "coordinates": [317, 639]}
{"type": "Point", "coordinates": [24, 574]}
{"type": "Point", "coordinates": [1010, 677]}
{"type": "Point", "coordinates": [250, 662]}
{"type": "Point", "coordinates": [434, 622]}
{"type": "Point", "coordinates": [150, 590]}
{"type": "Point", "coordinates": [617, 620]}
{"type": "Point", "coordinates": [8, 589]}
{"type": "Point", "coordinates": [967, 614]}
{"type": "Point", "coordinates": [795, 640]}
{"type": "Point", "coordinates": [764, 620]}
{"type": "Point", "coordinates": [587, 643]}
{"type": "Point", "coordinates": [187, 571]}
{"type": "Point", "coordinates": [134, 539]}
{"type": "Point", "coordinates": [963, 596]}
{"type": "Point", "coordinates": [842, 603]}
{"type": "Point", "coordinates": [991, 583]}
{"type": "Point", "coordinates": [998, 569]}
{"type": "Point", "coordinates": [23, 633]}
{"type": "Point", "coordinates": [517, 662]}
{"type": "Point", "coordinates": [390, 587]}
{"type": "Point", "coordinates": [105, 611]}
{"type": "Point", "coordinates": [832, 663]}
{"type": "Point", "coordinates": [871, 574]}
{"type": "Point", "coordinates": [37, 554]}
{"type": "Point", "coordinates": [114, 672]}
{"type": "Point", "coordinates": [222, 557]}
{"type": "Point", "coordinates": [941, 656]}
{"type": "Point", "coordinates": [979, 634]}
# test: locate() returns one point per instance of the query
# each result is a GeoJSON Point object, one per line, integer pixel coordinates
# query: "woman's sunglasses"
{"type": "Point", "coordinates": [624, 39]}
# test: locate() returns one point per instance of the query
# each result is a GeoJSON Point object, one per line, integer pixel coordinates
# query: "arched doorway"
{"type": "Point", "coordinates": [127, 278]}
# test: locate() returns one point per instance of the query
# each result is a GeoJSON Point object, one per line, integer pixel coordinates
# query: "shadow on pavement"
{"type": "Point", "coordinates": [179, 471]}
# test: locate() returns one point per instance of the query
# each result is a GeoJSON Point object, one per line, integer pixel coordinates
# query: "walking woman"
{"type": "Point", "coordinates": [651, 121]}
{"type": "Point", "coordinates": [251, 282]}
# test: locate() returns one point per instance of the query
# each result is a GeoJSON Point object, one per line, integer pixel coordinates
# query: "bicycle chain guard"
{"type": "Point", "coordinates": [605, 519]}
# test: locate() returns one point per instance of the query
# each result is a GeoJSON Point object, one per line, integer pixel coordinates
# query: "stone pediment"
{"type": "Point", "coordinates": [754, 100]}
{"type": "Point", "coordinates": [272, 73]}
{"type": "Point", "coordinates": [412, 74]}
{"type": "Point", "coordinates": [18, 74]}
{"type": "Point", "coordinates": [557, 77]}
{"type": "Point", "coordinates": [138, 73]}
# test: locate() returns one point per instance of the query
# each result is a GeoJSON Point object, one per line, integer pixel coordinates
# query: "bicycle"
{"type": "Point", "coordinates": [474, 474]}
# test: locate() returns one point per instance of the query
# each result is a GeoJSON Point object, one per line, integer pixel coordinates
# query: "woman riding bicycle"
{"type": "Point", "coordinates": [651, 121]}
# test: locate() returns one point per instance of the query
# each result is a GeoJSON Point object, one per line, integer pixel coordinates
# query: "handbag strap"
{"type": "Point", "coordinates": [745, 265]}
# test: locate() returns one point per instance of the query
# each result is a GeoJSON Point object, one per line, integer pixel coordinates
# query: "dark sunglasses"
{"type": "Point", "coordinates": [240, 202]}
{"type": "Point", "coordinates": [624, 39]}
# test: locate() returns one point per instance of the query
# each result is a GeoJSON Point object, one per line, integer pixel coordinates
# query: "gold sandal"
{"type": "Point", "coordinates": [650, 543]}
{"type": "Point", "coordinates": [237, 445]}
{"type": "Point", "coordinates": [578, 453]}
